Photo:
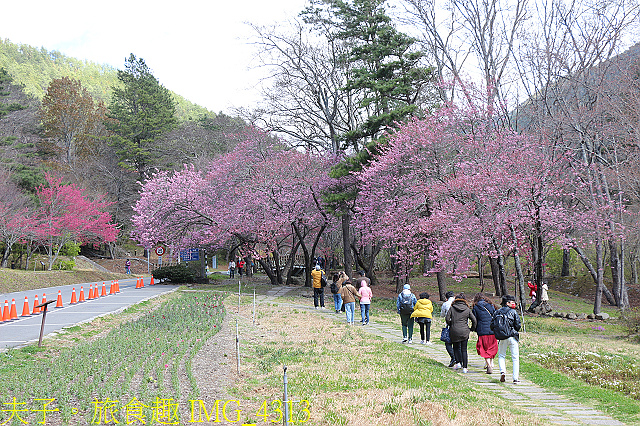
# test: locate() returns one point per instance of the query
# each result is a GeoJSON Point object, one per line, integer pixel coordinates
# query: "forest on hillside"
{"type": "Point", "coordinates": [491, 138]}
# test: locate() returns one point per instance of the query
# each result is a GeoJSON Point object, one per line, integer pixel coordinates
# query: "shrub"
{"type": "Point", "coordinates": [630, 320]}
{"type": "Point", "coordinates": [64, 265]}
{"type": "Point", "coordinates": [70, 248]}
{"type": "Point", "coordinates": [176, 274]}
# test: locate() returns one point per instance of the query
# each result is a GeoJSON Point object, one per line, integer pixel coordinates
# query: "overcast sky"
{"type": "Point", "coordinates": [196, 48]}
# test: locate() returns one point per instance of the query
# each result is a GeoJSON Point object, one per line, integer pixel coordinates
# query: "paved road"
{"type": "Point", "coordinates": [24, 330]}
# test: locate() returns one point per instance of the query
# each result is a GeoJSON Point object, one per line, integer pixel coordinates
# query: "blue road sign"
{"type": "Point", "coordinates": [190, 254]}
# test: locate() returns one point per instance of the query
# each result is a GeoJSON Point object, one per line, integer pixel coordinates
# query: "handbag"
{"type": "Point", "coordinates": [323, 282]}
{"type": "Point", "coordinates": [444, 335]}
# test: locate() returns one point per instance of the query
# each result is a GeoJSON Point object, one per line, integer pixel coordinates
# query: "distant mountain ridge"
{"type": "Point", "coordinates": [34, 68]}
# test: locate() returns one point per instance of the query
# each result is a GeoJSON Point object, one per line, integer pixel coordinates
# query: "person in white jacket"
{"type": "Point", "coordinates": [443, 313]}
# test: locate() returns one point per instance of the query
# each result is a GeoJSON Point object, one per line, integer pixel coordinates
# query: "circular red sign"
{"type": "Point", "coordinates": [159, 250]}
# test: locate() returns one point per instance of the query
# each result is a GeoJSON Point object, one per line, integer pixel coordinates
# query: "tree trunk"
{"type": "Point", "coordinates": [276, 264]}
{"type": "Point", "coordinates": [566, 260]}
{"type": "Point", "coordinates": [597, 304]}
{"type": "Point", "coordinates": [495, 275]}
{"type": "Point", "coordinates": [615, 271]}
{"type": "Point", "coordinates": [292, 261]}
{"type": "Point", "coordinates": [480, 273]}
{"type": "Point", "coordinates": [366, 260]}
{"type": "Point", "coordinates": [520, 278]}
{"type": "Point", "coordinates": [5, 256]}
{"type": "Point", "coordinates": [596, 275]}
{"type": "Point", "coordinates": [442, 285]}
{"type": "Point", "coordinates": [503, 275]}
{"type": "Point", "coordinates": [266, 267]}
{"type": "Point", "coordinates": [307, 257]}
{"type": "Point", "coordinates": [346, 243]}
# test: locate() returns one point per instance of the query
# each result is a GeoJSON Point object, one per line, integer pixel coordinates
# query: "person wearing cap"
{"type": "Point", "coordinates": [318, 290]}
{"type": "Point", "coordinates": [361, 278]}
{"type": "Point", "coordinates": [404, 304]}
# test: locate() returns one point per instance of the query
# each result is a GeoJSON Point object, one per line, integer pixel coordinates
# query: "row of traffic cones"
{"type": "Point", "coordinates": [10, 313]}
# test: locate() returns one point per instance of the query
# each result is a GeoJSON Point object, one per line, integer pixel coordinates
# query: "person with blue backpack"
{"type": "Point", "coordinates": [404, 305]}
{"type": "Point", "coordinates": [505, 325]}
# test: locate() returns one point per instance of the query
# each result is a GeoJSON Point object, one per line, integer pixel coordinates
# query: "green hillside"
{"type": "Point", "coordinates": [35, 67]}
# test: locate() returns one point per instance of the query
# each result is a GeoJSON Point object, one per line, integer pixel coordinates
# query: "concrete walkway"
{"type": "Point", "coordinates": [527, 396]}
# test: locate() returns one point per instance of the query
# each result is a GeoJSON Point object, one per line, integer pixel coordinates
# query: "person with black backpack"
{"type": "Point", "coordinates": [505, 325]}
{"type": "Point", "coordinates": [404, 304]}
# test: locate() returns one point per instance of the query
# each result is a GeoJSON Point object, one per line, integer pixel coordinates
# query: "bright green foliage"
{"type": "Point", "coordinates": [5, 79]}
{"type": "Point", "coordinates": [144, 110]}
{"type": "Point", "coordinates": [385, 71]}
{"type": "Point", "coordinates": [35, 68]}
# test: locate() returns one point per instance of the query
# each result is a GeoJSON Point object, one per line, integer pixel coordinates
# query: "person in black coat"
{"type": "Point", "coordinates": [458, 319]}
{"type": "Point", "coordinates": [505, 325]}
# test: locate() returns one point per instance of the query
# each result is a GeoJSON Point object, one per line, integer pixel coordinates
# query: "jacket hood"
{"type": "Point", "coordinates": [363, 283]}
{"type": "Point", "coordinates": [406, 291]}
{"type": "Point", "coordinates": [460, 305]}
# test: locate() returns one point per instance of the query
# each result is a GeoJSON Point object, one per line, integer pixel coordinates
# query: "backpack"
{"type": "Point", "coordinates": [334, 288]}
{"type": "Point", "coordinates": [500, 327]}
{"type": "Point", "coordinates": [406, 303]}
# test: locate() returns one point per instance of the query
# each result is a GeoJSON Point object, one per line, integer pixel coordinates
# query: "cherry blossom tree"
{"type": "Point", "coordinates": [455, 185]}
{"type": "Point", "coordinates": [66, 214]}
{"type": "Point", "coordinates": [260, 194]}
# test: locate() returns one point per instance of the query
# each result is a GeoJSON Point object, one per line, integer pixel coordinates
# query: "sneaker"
{"type": "Point", "coordinates": [465, 371]}
{"type": "Point", "coordinates": [316, 307]}
{"type": "Point", "coordinates": [516, 382]}
{"type": "Point", "coordinates": [323, 307]}
{"type": "Point", "coordinates": [452, 363]}
{"type": "Point", "coordinates": [428, 342]}
{"type": "Point", "coordinates": [366, 323]}
{"type": "Point", "coordinates": [337, 312]}
{"type": "Point", "coordinates": [422, 342]}
{"type": "Point", "coordinates": [458, 366]}
{"type": "Point", "coordinates": [489, 370]}
{"type": "Point", "coordinates": [502, 377]}
{"type": "Point", "coordinates": [410, 341]}
{"type": "Point", "coordinates": [404, 340]}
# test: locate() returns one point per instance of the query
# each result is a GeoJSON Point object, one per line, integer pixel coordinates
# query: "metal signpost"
{"type": "Point", "coordinates": [44, 315]}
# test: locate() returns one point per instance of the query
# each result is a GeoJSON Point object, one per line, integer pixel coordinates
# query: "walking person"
{"type": "Point", "coordinates": [232, 269]}
{"type": "Point", "coordinates": [318, 289]}
{"type": "Point", "coordinates": [349, 295]}
{"type": "Point", "coordinates": [443, 313]}
{"type": "Point", "coordinates": [240, 266]}
{"type": "Point", "coordinates": [404, 304]}
{"type": "Point", "coordinates": [365, 301]}
{"type": "Point", "coordinates": [458, 319]}
{"type": "Point", "coordinates": [127, 267]}
{"type": "Point", "coordinates": [505, 325]}
{"type": "Point", "coordinates": [335, 288]}
{"type": "Point", "coordinates": [487, 346]}
{"type": "Point", "coordinates": [422, 314]}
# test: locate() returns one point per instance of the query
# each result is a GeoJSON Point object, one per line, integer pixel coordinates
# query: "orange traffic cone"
{"type": "Point", "coordinates": [59, 301]}
{"type": "Point", "coordinates": [112, 287]}
{"type": "Point", "coordinates": [137, 282]}
{"type": "Point", "coordinates": [81, 299]}
{"type": "Point", "coordinates": [44, 300]}
{"type": "Point", "coordinates": [14, 313]}
{"type": "Point", "coordinates": [152, 283]}
{"type": "Point", "coordinates": [117, 286]}
{"type": "Point", "coordinates": [141, 282]}
{"type": "Point", "coordinates": [5, 313]}
{"type": "Point", "coordinates": [25, 308]}
{"type": "Point", "coordinates": [104, 289]}
{"type": "Point", "coordinates": [35, 303]}
{"type": "Point", "coordinates": [73, 297]}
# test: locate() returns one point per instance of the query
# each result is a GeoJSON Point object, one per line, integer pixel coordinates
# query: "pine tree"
{"type": "Point", "coordinates": [144, 110]}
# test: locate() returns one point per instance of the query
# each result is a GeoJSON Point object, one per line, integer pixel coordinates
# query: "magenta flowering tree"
{"type": "Point", "coordinates": [261, 195]}
{"type": "Point", "coordinates": [66, 214]}
{"type": "Point", "coordinates": [455, 185]}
